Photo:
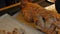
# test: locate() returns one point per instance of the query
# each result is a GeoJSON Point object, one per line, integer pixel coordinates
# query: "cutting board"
{"type": "Point", "coordinates": [8, 23]}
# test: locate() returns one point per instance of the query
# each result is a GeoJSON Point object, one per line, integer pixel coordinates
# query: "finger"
{"type": "Point", "coordinates": [15, 31]}
{"type": "Point", "coordinates": [0, 31]}
{"type": "Point", "coordinates": [9, 33]}
{"type": "Point", "coordinates": [4, 32]}
{"type": "Point", "coordinates": [21, 31]}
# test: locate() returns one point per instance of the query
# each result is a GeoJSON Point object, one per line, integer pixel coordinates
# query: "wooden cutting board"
{"type": "Point", "coordinates": [8, 23]}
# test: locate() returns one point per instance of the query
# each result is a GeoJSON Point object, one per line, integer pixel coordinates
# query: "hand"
{"type": "Point", "coordinates": [15, 31]}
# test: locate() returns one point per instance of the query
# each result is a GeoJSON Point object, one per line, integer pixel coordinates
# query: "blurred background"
{"type": "Point", "coordinates": [13, 6]}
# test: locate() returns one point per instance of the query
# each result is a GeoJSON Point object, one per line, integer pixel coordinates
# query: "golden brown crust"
{"type": "Point", "coordinates": [40, 16]}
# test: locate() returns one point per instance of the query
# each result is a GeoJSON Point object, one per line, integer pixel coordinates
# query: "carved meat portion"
{"type": "Point", "coordinates": [43, 19]}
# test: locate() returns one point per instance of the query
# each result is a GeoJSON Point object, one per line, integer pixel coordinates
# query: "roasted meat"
{"type": "Point", "coordinates": [44, 19]}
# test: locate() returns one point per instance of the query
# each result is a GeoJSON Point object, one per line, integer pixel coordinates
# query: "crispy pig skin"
{"type": "Point", "coordinates": [43, 18]}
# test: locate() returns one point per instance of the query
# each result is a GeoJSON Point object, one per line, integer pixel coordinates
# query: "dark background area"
{"type": "Point", "coordinates": [10, 11]}
{"type": "Point", "coordinates": [14, 10]}
{"type": "Point", "coordinates": [4, 3]}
